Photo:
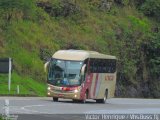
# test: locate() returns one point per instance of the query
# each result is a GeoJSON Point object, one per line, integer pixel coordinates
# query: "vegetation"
{"type": "Point", "coordinates": [32, 30]}
{"type": "Point", "coordinates": [1, 118]}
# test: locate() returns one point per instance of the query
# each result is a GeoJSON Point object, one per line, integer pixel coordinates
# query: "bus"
{"type": "Point", "coordinates": [80, 75]}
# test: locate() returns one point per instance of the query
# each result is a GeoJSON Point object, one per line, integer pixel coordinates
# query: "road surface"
{"type": "Point", "coordinates": [43, 106]}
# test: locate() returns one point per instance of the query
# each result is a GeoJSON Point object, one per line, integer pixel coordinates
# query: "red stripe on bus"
{"type": "Point", "coordinates": [94, 92]}
{"type": "Point", "coordinates": [87, 85]}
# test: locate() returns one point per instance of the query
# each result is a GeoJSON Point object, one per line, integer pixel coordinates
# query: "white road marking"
{"type": "Point", "coordinates": [15, 109]}
{"type": "Point", "coordinates": [25, 108]}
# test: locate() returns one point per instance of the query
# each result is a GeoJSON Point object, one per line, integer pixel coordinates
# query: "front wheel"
{"type": "Point", "coordinates": [55, 99]}
{"type": "Point", "coordinates": [75, 101]}
{"type": "Point", "coordinates": [84, 99]}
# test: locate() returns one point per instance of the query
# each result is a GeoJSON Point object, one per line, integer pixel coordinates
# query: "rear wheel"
{"type": "Point", "coordinates": [84, 99]}
{"type": "Point", "coordinates": [55, 99]}
{"type": "Point", "coordinates": [104, 98]}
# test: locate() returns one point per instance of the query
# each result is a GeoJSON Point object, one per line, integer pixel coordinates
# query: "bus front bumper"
{"type": "Point", "coordinates": [66, 95]}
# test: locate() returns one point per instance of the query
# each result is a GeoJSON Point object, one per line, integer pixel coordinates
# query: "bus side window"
{"type": "Point", "coordinates": [110, 66]}
{"type": "Point", "coordinates": [93, 65]}
{"type": "Point", "coordinates": [104, 68]}
{"type": "Point", "coordinates": [113, 66]}
{"type": "Point", "coordinates": [98, 66]}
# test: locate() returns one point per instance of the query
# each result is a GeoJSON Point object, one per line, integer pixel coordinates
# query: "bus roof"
{"type": "Point", "coordinates": [80, 55]}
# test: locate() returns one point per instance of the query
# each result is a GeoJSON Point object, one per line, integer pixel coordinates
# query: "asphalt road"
{"type": "Point", "coordinates": [45, 108]}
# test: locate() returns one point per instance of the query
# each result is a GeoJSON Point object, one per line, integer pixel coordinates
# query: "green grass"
{"type": "Point", "coordinates": [27, 86]}
{"type": "Point", "coordinates": [1, 118]}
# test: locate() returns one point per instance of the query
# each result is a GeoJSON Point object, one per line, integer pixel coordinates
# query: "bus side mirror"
{"type": "Point", "coordinates": [46, 65]}
{"type": "Point", "coordinates": [83, 70]}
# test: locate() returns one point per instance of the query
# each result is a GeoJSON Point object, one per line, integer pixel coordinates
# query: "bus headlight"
{"type": "Point", "coordinates": [49, 88]}
{"type": "Point", "coordinates": [75, 90]}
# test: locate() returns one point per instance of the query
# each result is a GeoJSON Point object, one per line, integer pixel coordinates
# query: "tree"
{"type": "Point", "coordinates": [151, 8]}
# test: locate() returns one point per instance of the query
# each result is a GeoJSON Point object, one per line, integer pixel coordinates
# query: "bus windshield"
{"type": "Point", "coordinates": [64, 73]}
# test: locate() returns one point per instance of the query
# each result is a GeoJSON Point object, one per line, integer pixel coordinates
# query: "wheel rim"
{"type": "Point", "coordinates": [104, 99]}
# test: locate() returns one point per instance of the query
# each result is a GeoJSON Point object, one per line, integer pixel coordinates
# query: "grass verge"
{"type": "Point", "coordinates": [27, 86]}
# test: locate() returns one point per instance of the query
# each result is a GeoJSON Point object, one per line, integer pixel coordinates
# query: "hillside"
{"type": "Point", "coordinates": [32, 30]}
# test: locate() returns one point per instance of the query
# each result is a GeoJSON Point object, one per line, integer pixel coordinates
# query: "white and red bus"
{"type": "Point", "coordinates": [80, 75]}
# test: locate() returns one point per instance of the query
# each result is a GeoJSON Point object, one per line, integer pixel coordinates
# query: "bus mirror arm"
{"type": "Point", "coordinates": [83, 70]}
{"type": "Point", "coordinates": [46, 65]}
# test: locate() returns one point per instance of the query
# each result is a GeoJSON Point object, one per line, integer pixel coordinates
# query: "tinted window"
{"type": "Point", "coordinates": [102, 65]}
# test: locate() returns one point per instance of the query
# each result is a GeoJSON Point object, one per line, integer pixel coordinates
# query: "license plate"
{"type": "Point", "coordinates": [60, 95]}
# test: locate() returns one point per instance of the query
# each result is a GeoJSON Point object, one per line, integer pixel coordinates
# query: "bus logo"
{"type": "Point", "coordinates": [109, 77]}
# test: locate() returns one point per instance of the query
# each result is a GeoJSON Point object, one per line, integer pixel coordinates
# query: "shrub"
{"type": "Point", "coordinates": [122, 2]}
{"type": "Point", "coordinates": [16, 9]}
{"type": "Point", "coordinates": [59, 8]}
{"type": "Point", "coordinates": [151, 8]}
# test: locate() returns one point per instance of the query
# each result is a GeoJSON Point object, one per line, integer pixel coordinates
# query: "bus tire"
{"type": "Point", "coordinates": [85, 97]}
{"type": "Point", "coordinates": [75, 101]}
{"type": "Point", "coordinates": [55, 99]}
{"type": "Point", "coordinates": [104, 98]}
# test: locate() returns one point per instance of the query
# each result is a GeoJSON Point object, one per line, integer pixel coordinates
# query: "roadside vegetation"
{"type": "Point", "coordinates": [1, 118]}
{"type": "Point", "coordinates": [32, 30]}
